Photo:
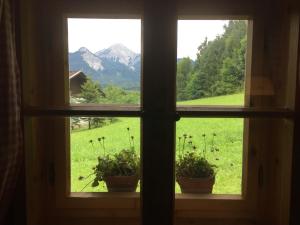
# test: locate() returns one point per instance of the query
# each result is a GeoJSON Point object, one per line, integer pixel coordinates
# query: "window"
{"type": "Point", "coordinates": [211, 71]}
{"type": "Point", "coordinates": [220, 141]}
{"type": "Point", "coordinates": [104, 54]}
{"type": "Point", "coordinates": [113, 135]}
{"type": "Point", "coordinates": [104, 58]}
{"type": "Point", "coordinates": [244, 126]}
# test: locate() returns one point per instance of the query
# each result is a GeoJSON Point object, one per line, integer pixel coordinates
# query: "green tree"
{"type": "Point", "coordinates": [116, 94]}
{"type": "Point", "coordinates": [91, 93]}
{"type": "Point", "coordinates": [207, 66]}
{"type": "Point", "coordinates": [184, 69]}
{"type": "Point", "coordinates": [220, 65]}
{"type": "Point", "coordinates": [233, 68]}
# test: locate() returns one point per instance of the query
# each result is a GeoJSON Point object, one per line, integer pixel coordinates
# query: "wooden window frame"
{"type": "Point", "coordinates": [185, 205]}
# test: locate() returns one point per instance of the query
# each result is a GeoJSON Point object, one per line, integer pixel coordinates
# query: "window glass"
{"type": "Point", "coordinates": [210, 149]}
{"type": "Point", "coordinates": [104, 61]}
{"type": "Point", "coordinates": [101, 147]}
{"type": "Point", "coordinates": [211, 62]}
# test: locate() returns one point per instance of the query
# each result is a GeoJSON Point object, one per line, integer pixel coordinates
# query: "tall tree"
{"type": "Point", "coordinates": [91, 93]}
{"type": "Point", "coordinates": [233, 68]}
{"type": "Point", "coordinates": [184, 69]}
{"type": "Point", "coordinates": [207, 66]}
{"type": "Point", "coordinates": [220, 65]}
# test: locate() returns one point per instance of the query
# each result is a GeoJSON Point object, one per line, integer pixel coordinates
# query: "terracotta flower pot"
{"type": "Point", "coordinates": [121, 183]}
{"type": "Point", "coordinates": [196, 185]}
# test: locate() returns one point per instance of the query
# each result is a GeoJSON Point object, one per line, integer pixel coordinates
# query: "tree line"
{"type": "Point", "coordinates": [219, 68]}
{"type": "Point", "coordinates": [92, 92]}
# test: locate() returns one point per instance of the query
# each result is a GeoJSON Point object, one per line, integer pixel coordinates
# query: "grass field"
{"type": "Point", "coordinates": [229, 140]}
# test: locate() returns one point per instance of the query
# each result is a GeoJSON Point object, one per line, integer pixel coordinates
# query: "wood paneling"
{"type": "Point", "coordinates": [295, 185]}
{"type": "Point", "coordinates": [268, 141]}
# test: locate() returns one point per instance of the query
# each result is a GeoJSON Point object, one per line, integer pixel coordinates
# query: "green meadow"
{"type": "Point", "coordinates": [229, 140]}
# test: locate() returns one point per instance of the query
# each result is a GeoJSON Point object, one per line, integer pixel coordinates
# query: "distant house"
{"type": "Point", "coordinates": [76, 78]}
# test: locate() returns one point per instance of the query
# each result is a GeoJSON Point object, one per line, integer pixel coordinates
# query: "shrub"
{"type": "Point", "coordinates": [193, 163]}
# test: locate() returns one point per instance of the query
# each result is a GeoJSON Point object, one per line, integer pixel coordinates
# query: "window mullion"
{"type": "Point", "coordinates": [159, 68]}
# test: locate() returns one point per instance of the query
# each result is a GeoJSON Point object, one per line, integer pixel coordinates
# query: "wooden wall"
{"type": "Point", "coordinates": [40, 18]}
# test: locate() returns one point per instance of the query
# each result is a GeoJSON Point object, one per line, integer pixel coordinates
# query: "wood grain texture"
{"type": "Point", "coordinates": [184, 111]}
{"type": "Point", "coordinates": [159, 63]}
{"type": "Point", "coordinates": [295, 185]}
{"type": "Point", "coordinates": [266, 142]}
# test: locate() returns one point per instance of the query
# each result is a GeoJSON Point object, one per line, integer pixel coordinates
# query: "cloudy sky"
{"type": "Point", "coordinates": [97, 34]}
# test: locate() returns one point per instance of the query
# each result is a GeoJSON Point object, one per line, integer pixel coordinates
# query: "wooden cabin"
{"type": "Point", "coordinates": [76, 78]}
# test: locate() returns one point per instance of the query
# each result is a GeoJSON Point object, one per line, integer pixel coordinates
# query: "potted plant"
{"type": "Point", "coordinates": [194, 173]}
{"type": "Point", "coordinates": [119, 171]}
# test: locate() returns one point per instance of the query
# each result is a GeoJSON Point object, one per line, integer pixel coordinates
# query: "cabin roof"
{"type": "Point", "coordinates": [73, 74]}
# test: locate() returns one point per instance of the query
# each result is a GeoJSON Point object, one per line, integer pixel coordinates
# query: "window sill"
{"type": "Point", "coordinates": [123, 205]}
{"type": "Point", "coordinates": [132, 201]}
{"type": "Point", "coordinates": [136, 195]}
{"type": "Point", "coordinates": [105, 195]}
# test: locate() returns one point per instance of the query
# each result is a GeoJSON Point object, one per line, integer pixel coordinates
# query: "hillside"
{"type": "Point", "coordinates": [234, 99]}
{"type": "Point", "coordinates": [229, 140]}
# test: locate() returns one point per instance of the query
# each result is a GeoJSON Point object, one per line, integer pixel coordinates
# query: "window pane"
{"type": "Point", "coordinates": [210, 148]}
{"type": "Point", "coordinates": [115, 140]}
{"type": "Point", "coordinates": [211, 62]}
{"type": "Point", "coordinates": [104, 61]}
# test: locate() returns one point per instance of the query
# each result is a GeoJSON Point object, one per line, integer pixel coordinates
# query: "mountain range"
{"type": "Point", "coordinates": [116, 65]}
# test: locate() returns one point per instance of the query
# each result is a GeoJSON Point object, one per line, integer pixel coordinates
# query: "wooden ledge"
{"type": "Point", "coordinates": [111, 195]}
{"type": "Point", "coordinates": [181, 111]}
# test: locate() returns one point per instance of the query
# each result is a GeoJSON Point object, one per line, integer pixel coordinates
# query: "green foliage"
{"type": "Point", "coordinates": [91, 92]}
{"type": "Point", "coordinates": [220, 65]}
{"type": "Point", "coordinates": [192, 163]}
{"type": "Point", "coordinates": [114, 94]}
{"type": "Point", "coordinates": [184, 69]}
{"type": "Point", "coordinates": [233, 99]}
{"type": "Point", "coordinates": [124, 163]}
{"type": "Point", "coordinates": [229, 140]}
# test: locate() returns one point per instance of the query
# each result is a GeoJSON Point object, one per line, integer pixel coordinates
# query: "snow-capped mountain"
{"type": "Point", "coordinates": [119, 53]}
{"type": "Point", "coordinates": [92, 60]}
{"type": "Point", "coordinates": [116, 65]}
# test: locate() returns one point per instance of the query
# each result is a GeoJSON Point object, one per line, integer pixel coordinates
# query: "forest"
{"type": "Point", "coordinates": [219, 68]}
